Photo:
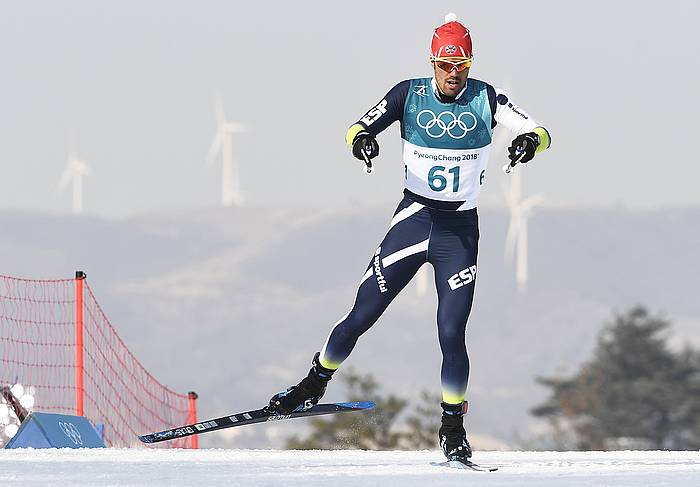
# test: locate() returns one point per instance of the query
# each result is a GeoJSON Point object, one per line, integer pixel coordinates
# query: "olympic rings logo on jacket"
{"type": "Point", "coordinates": [447, 123]}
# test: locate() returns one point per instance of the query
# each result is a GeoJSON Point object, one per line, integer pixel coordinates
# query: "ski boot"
{"type": "Point", "coordinates": [305, 394]}
{"type": "Point", "coordinates": [453, 438]}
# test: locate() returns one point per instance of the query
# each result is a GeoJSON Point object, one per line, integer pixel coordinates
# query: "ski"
{"type": "Point", "coordinates": [466, 465]}
{"type": "Point", "coordinates": [252, 417]}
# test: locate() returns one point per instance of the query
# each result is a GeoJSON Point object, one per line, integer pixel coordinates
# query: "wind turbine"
{"type": "Point", "coordinates": [73, 174]}
{"type": "Point", "coordinates": [516, 240]}
{"type": "Point", "coordinates": [223, 143]}
{"type": "Point", "coordinates": [520, 210]}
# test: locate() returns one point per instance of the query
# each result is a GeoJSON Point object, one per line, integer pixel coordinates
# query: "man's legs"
{"type": "Point", "coordinates": [399, 256]}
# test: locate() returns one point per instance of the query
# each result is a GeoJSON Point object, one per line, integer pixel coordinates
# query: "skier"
{"type": "Point", "coordinates": [447, 123]}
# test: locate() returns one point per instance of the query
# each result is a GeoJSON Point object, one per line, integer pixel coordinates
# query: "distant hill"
{"type": "Point", "coordinates": [233, 303]}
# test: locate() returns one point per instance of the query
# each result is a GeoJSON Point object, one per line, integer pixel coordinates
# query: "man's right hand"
{"type": "Point", "coordinates": [364, 141]}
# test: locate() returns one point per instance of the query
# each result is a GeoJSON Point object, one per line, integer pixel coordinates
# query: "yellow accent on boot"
{"type": "Point", "coordinates": [545, 140]}
{"type": "Point", "coordinates": [351, 134]}
{"type": "Point", "coordinates": [451, 398]}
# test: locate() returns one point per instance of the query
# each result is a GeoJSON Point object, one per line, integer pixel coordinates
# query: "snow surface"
{"type": "Point", "coordinates": [148, 467]}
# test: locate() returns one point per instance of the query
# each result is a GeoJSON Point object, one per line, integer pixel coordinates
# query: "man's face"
{"type": "Point", "coordinates": [450, 82]}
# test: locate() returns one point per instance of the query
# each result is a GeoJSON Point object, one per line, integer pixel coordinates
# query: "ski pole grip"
{"type": "Point", "coordinates": [368, 162]}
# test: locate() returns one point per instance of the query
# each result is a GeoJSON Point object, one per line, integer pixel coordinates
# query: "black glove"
{"type": "Point", "coordinates": [526, 143]}
{"type": "Point", "coordinates": [366, 141]}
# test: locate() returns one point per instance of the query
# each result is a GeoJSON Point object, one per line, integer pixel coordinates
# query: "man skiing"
{"type": "Point", "coordinates": [447, 123]}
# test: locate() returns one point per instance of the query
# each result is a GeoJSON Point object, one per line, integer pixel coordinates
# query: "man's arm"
{"type": "Point", "coordinates": [380, 116]}
{"type": "Point", "coordinates": [517, 120]}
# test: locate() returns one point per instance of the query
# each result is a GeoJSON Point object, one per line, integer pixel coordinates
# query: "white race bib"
{"type": "Point", "coordinates": [446, 174]}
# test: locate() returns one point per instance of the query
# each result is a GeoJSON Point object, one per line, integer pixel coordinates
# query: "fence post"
{"type": "Point", "coordinates": [192, 396]}
{"type": "Point", "coordinates": [79, 370]}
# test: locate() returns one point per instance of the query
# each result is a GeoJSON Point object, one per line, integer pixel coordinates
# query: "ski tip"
{"type": "Point", "coordinates": [145, 439]}
{"type": "Point", "coordinates": [358, 405]}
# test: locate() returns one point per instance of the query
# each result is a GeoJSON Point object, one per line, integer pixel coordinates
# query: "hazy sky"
{"type": "Point", "coordinates": [615, 82]}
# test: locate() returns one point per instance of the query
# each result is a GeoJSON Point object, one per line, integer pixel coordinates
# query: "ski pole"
{"type": "Point", "coordinates": [368, 161]}
{"type": "Point", "coordinates": [510, 165]}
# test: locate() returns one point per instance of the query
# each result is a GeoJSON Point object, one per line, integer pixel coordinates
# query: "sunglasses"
{"type": "Point", "coordinates": [450, 65]}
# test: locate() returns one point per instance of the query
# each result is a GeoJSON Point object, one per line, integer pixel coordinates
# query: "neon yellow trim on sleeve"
{"type": "Point", "coordinates": [545, 140]}
{"type": "Point", "coordinates": [328, 365]}
{"type": "Point", "coordinates": [352, 132]}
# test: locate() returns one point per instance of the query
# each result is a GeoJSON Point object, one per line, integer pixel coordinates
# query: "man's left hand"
{"type": "Point", "coordinates": [524, 143]}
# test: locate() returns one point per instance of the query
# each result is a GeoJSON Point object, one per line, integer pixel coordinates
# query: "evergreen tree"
{"type": "Point", "coordinates": [422, 427]}
{"type": "Point", "coordinates": [635, 388]}
{"type": "Point", "coordinates": [378, 429]}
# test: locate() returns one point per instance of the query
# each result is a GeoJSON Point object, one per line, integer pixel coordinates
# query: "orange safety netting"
{"type": "Point", "coordinates": [39, 347]}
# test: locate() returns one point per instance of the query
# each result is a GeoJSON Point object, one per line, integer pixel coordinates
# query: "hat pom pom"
{"type": "Point", "coordinates": [451, 17]}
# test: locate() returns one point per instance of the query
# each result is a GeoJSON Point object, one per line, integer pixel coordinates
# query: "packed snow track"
{"type": "Point", "coordinates": [151, 468]}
